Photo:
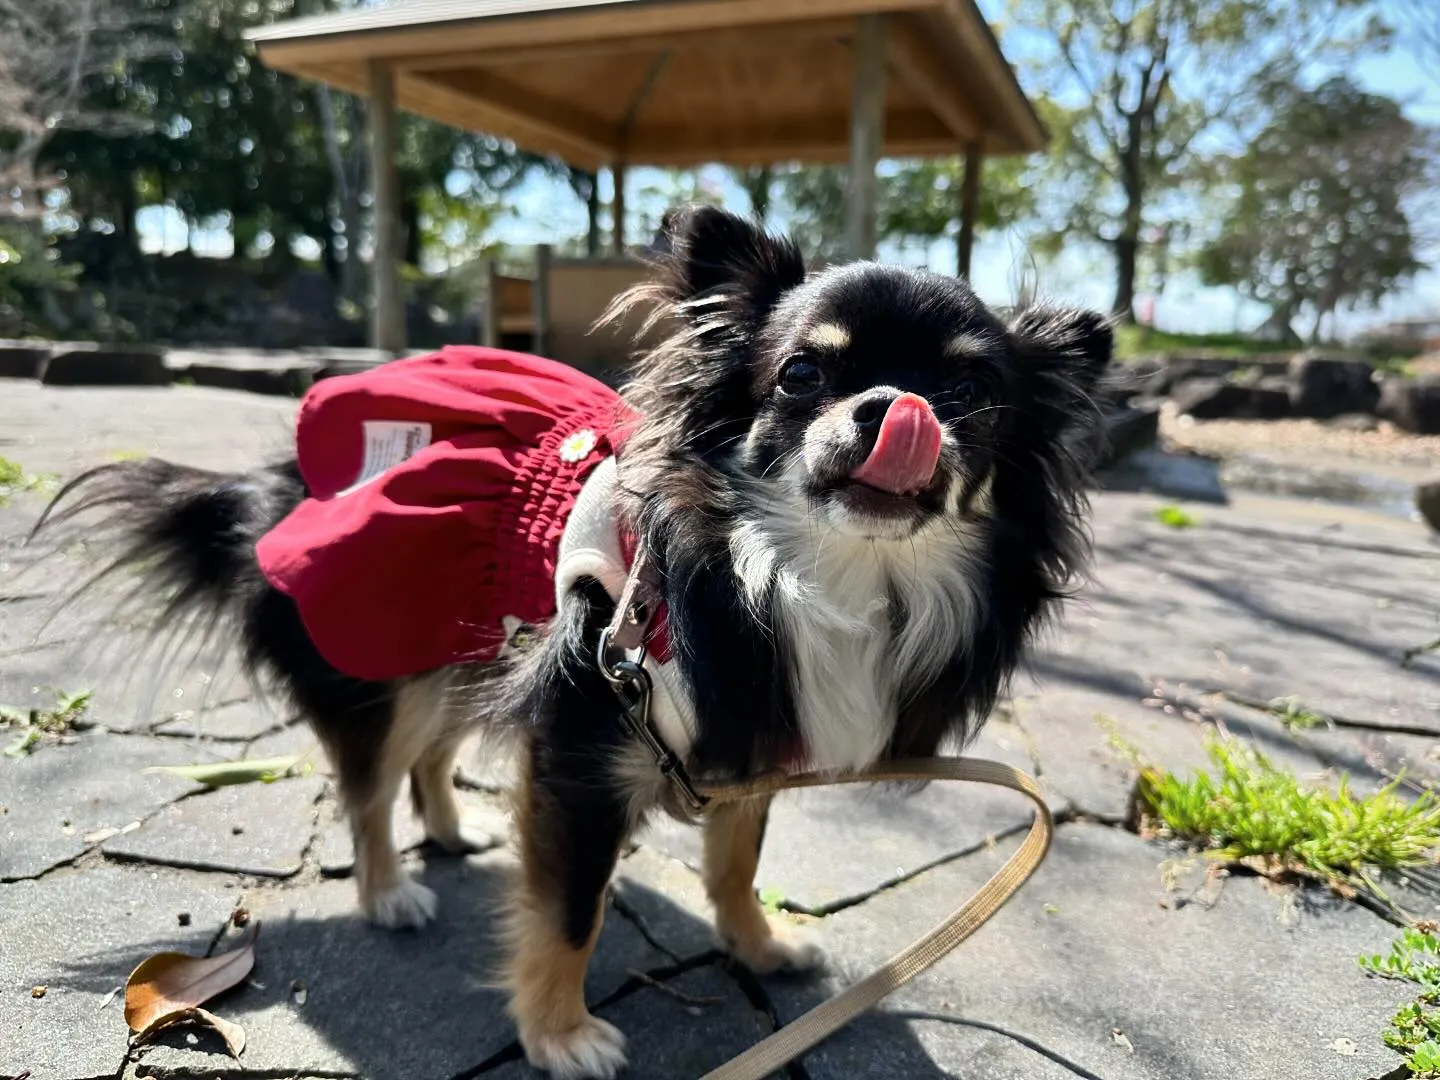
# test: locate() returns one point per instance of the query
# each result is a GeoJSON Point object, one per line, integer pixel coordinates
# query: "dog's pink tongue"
{"type": "Point", "coordinates": [906, 450]}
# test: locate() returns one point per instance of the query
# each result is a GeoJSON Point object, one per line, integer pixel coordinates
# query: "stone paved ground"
{"type": "Point", "coordinates": [1101, 967]}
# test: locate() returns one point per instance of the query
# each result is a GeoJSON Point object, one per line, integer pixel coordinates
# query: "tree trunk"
{"type": "Point", "coordinates": [1127, 254]}
{"type": "Point", "coordinates": [1277, 326]}
{"type": "Point", "coordinates": [1127, 243]}
{"type": "Point", "coordinates": [410, 225]}
{"type": "Point", "coordinates": [760, 192]}
{"type": "Point", "coordinates": [592, 216]}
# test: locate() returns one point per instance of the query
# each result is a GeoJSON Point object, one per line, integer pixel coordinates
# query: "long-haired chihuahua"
{"type": "Point", "coordinates": [858, 492]}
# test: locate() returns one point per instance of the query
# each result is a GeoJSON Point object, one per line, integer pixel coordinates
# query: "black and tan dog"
{"type": "Point", "coordinates": [860, 491]}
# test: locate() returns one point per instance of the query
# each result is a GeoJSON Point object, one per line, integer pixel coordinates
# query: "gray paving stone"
{"type": "Point", "coordinates": [255, 828]}
{"type": "Point", "coordinates": [1257, 605]}
{"type": "Point", "coordinates": [56, 797]}
{"type": "Point", "coordinates": [385, 1005]}
{"type": "Point", "coordinates": [230, 721]}
{"type": "Point", "coordinates": [668, 1037]}
{"type": "Point", "coordinates": [666, 896]}
{"type": "Point", "coordinates": [1255, 985]}
{"type": "Point", "coordinates": [80, 934]}
{"type": "Point", "coordinates": [829, 846]}
{"type": "Point", "coordinates": [62, 431]}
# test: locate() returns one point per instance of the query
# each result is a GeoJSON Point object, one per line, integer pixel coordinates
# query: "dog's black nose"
{"type": "Point", "coordinates": [870, 412]}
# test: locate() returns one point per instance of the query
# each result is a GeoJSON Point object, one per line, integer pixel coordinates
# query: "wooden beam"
{"type": "Point", "coordinates": [823, 138]}
{"type": "Point", "coordinates": [708, 41]}
{"type": "Point", "coordinates": [388, 310]}
{"type": "Point", "coordinates": [969, 206]}
{"type": "Point", "coordinates": [460, 31]}
{"type": "Point", "coordinates": [913, 61]}
{"type": "Point", "coordinates": [557, 122]}
{"type": "Point", "coordinates": [617, 208]}
{"type": "Point", "coordinates": [867, 134]}
{"type": "Point", "coordinates": [1011, 121]}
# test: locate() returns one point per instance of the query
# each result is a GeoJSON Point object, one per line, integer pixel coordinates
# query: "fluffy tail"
{"type": "Point", "coordinates": [183, 538]}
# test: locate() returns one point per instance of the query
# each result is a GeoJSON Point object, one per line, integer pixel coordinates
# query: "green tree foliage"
{"type": "Point", "coordinates": [1319, 220]}
{"type": "Point", "coordinates": [269, 156]}
{"type": "Point", "coordinates": [918, 201]}
{"type": "Point", "coordinates": [1138, 87]}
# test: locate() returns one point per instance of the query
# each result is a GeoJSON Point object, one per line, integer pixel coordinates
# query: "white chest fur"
{"type": "Point", "coordinates": [854, 656]}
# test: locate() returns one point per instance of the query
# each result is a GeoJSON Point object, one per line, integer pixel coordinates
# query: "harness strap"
{"type": "Point", "coordinates": [638, 604]}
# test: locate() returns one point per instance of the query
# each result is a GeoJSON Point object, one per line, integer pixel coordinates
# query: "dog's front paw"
{"type": "Point", "coordinates": [405, 905]}
{"type": "Point", "coordinates": [592, 1050]}
{"type": "Point", "coordinates": [782, 947]}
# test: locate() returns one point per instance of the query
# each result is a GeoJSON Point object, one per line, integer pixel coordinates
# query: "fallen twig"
{"type": "Point", "coordinates": [1419, 650]}
{"type": "Point", "coordinates": [666, 988]}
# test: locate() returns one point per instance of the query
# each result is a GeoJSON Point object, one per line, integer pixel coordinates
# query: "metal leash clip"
{"type": "Point", "coordinates": [634, 690]}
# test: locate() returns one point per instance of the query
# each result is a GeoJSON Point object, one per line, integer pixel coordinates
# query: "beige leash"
{"type": "Point", "coordinates": [626, 635]}
{"type": "Point", "coordinates": [825, 1019]}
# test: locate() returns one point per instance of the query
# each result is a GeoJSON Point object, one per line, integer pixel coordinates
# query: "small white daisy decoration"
{"type": "Point", "coordinates": [578, 446]}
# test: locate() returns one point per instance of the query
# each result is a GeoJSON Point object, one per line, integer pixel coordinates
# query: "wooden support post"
{"type": "Point", "coordinates": [540, 301]}
{"type": "Point", "coordinates": [867, 133]}
{"type": "Point", "coordinates": [617, 207]}
{"type": "Point", "coordinates": [490, 335]}
{"type": "Point", "coordinates": [969, 206]}
{"type": "Point", "coordinates": [388, 312]}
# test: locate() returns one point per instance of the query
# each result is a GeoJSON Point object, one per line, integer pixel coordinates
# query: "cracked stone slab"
{"type": "Point", "coordinates": [231, 721]}
{"type": "Point", "coordinates": [485, 819]}
{"type": "Point", "coordinates": [63, 431]}
{"type": "Point", "coordinates": [668, 899]}
{"type": "Point", "coordinates": [383, 1004]}
{"type": "Point", "coordinates": [833, 845]}
{"type": "Point", "coordinates": [1257, 983]}
{"type": "Point", "coordinates": [58, 795]}
{"type": "Point", "coordinates": [668, 1037]}
{"type": "Point", "coordinates": [133, 688]}
{"type": "Point", "coordinates": [80, 934]}
{"type": "Point", "coordinates": [257, 828]}
{"type": "Point", "coordinates": [1254, 602]}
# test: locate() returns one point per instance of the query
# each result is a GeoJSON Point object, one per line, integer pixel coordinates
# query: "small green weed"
{"type": "Point", "coordinates": [14, 480]}
{"type": "Point", "coordinates": [1173, 517]}
{"type": "Point", "coordinates": [1415, 1028]}
{"type": "Point", "coordinates": [1253, 809]}
{"type": "Point", "coordinates": [126, 455]}
{"type": "Point", "coordinates": [1294, 715]}
{"type": "Point", "coordinates": [34, 724]}
{"type": "Point", "coordinates": [771, 898]}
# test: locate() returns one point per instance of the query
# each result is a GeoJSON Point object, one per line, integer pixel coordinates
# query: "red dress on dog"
{"type": "Point", "coordinates": [440, 490]}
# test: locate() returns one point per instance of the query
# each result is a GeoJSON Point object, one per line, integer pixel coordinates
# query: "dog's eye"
{"type": "Point", "coordinates": [800, 377]}
{"type": "Point", "coordinates": [965, 394]}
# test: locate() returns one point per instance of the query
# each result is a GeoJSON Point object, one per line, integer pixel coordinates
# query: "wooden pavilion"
{"type": "Point", "coordinates": [614, 83]}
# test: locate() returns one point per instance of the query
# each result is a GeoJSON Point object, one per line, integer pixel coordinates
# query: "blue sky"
{"type": "Point", "coordinates": [542, 211]}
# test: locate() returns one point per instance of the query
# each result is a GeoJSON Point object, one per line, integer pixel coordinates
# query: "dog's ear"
{"type": "Point", "coordinates": [1063, 354]}
{"type": "Point", "coordinates": [714, 253]}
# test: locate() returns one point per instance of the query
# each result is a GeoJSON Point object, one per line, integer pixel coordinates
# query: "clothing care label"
{"type": "Point", "coordinates": [387, 444]}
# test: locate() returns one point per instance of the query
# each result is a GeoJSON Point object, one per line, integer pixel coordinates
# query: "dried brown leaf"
{"type": "Point", "coordinates": [231, 1032]}
{"type": "Point", "coordinates": [169, 987]}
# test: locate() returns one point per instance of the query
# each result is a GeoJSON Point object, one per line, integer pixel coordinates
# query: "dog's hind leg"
{"type": "Point", "coordinates": [571, 825]}
{"type": "Point", "coordinates": [371, 772]}
{"type": "Point", "coordinates": [432, 790]}
{"type": "Point", "coordinates": [733, 835]}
